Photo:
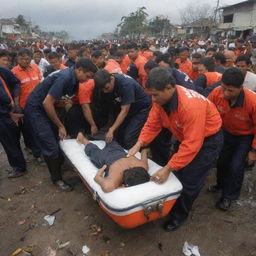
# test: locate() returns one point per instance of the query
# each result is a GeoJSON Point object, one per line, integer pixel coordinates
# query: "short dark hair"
{"type": "Point", "coordinates": [47, 51]}
{"type": "Point", "coordinates": [144, 46]}
{"type": "Point", "coordinates": [39, 52]}
{"type": "Point", "coordinates": [96, 54]}
{"type": "Point", "coordinates": [132, 46]}
{"type": "Point", "coordinates": [197, 55]}
{"type": "Point", "coordinates": [101, 78]}
{"type": "Point", "coordinates": [4, 53]}
{"type": "Point", "coordinates": [53, 55]}
{"type": "Point", "coordinates": [159, 78]}
{"type": "Point", "coordinates": [24, 51]}
{"type": "Point", "coordinates": [183, 49]}
{"type": "Point", "coordinates": [135, 176]}
{"type": "Point", "coordinates": [221, 57]}
{"type": "Point", "coordinates": [150, 65]}
{"type": "Point", "coordinates": [211, 49]}
{"type": "Point", "coordinates": [86, 64]}
{"type": "Point", "coordinates": [244, 57]}
{"type": "Point", "coordinates": [233, 77]}
{"type": "Point", "coordinates": [209, 63]}
{"type": "Point", "coordinates": [166, 58]}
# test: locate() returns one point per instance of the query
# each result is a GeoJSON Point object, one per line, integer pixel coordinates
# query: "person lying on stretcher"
{"type": "Point", "coordinates": [119, 169]}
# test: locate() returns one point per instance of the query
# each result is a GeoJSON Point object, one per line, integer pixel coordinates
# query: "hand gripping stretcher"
{"type": "Point", "coordinates": [130, 206]}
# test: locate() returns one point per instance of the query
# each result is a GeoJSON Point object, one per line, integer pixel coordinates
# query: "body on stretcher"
{"type": "Point", "coordinates": [127, 206]}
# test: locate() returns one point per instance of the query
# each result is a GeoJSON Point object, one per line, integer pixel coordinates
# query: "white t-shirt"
{"type": "Point", "coordinates": [42, 64]}
{"type": "Point", "coordinates": [250, 81]}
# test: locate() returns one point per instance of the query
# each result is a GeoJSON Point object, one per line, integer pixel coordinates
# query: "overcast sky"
{"type": "Point", "coordinates": [86, 19]}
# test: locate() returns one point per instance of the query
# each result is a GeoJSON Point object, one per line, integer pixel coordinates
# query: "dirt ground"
{"type": "Point", "coordinates": [26, 200]}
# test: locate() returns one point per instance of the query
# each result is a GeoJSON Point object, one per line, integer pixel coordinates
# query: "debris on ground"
{"type": "Point", "coordinates": [85, 249]}
{"type": "Point", "coordinates": [190, 249]}
{"type": "Point", "coordinates": [50, 219]}
{"type": "Point", "coordinates": [96, 229]}
{"type": "Point", "coordinates": [62, 245]}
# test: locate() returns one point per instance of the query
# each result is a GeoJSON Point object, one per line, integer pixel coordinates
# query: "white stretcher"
{"type": "Point", "coordinates": [127, 206]}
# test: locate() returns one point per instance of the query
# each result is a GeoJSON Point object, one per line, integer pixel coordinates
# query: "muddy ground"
{"type": "Point", "coordinates": [26, 200]}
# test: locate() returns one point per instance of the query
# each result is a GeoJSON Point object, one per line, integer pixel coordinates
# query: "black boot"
{"type": "Point", "coordinates": [55, 171]}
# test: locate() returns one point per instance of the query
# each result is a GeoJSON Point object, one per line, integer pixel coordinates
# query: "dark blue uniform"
{"type": "Point", "coordinates": [9, 131]}
{"type": "Point", "coordinates": [128, 91]}
{"type": "Point", "coordinates": [181, 78]}
{"type": "Point", "coordinates": [57, 84]}
{"type": "Point", "coordinates": [70, 63]}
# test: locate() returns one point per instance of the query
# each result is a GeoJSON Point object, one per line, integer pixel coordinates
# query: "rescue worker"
{"type": "Point", "coordinates": [45, 124]}
{"type": "Point", "coordinates": [136, 67]}
{"type": "Point", "coordinates": [194, 73]}
{"type": "Point", "coordinates": [29, 76]}
{"type": "Point", "coordinates": [183, 61]}
{"type": "Point", "coordinates": [55, 64]}
{"type": "Point", "coordinates": [196, 124]}
{"type": "Point", "coordinates": [72, 56]}
{"type": "Point", "coordinates": [10, 115]}
{"type": "Point", "coordinates": [133, 101]}
{"type": "Point", "coordinates": [237, 107]}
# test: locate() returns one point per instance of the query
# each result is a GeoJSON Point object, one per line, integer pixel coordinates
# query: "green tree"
{"type": "Point", "coordinates": [134, 24]}
{"type": "Point", "coordinates": [159, 27]}
{"type": "Point", "coordinates": [21, 20]}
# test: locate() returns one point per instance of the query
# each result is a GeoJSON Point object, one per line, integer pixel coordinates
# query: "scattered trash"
{"type": "Point", "coordinates": [22, 190]}
{"type": "Point", "coordinates": [160, 246]}
{"type": "Point", "coordinates": [85, 249]}
{"type": "Point", "coordinates": [18, 251]}
{"type": "Point", "coordinates": [63, 245]}
{"type": "Point", "coordinates": [50, 219]}
{"type": "Point", "coordinates": [122, 244]}
{"type": "Point", "coordinates": [21, 222]}
{"type": "Point", "coordinates": [50, 252]}
{"type": "Point", "coordinates": [190, 249]}
{"type": "Point", "coordinates": [96, 229]}
{"type": "Point", "coordinates": [9, 199]}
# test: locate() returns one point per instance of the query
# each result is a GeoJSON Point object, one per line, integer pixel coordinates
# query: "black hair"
{"type": "Point", "coordinates": [24, 51]}
{"type": "Point", "coordinates": [150, 65]}
{"type": "Point", "coordinates": [166, 58]}
{"type": "Point", "coordinates": [197, 55]}
{"type": "Point", "coordinates": [209, 63]}
{"type": "Point", "coordinates": [221, 57]}
{"type": "Point", "coordinates": [96, 54]}
{"type": "Point", "coordinates": [244, 57]}
{"type": "Point", "coordinates": [159, 78]}
{"type": "Point", "coordinates": [47, 51]}
{"type": "Point", "coordinates": [183, 49]}
{"type": "Point", "coordinates": [39, 52]}
{"type": "Point", "coordinates": [60, 50]}
{"type": "Point", "coordinates": [157, 53]}
{"type": "Point", "coordinates": [132, 46]}
{"type": "Point", "coordinates": [53, 55]}
{"type": "Point", "coordinates": [144, 46]}
{"type": "Point", "coordinates": [233, 77]}
{"type": "Point", "coordinates": [135, 176]}
{"type": "Point", "coordinates": [211, 49]}
{"type": "Point", "coordinates": [86, 64]}
{"type": "Point", "coordinates": [119, 54]}
{"type": "Point", "coordinates": [101, 78]}
{"type": "Point", "coordinates": [4, 53]}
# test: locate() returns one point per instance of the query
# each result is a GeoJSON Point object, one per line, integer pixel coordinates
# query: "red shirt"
{"type": "Point", "coordinates": [85, 92]}
{"type": "Point", "coordinates": [29, 79]}
{"type": "Point", "coordinates": [185, 66]}
{"type": "Point", "coordinates": [241, 118]}
{"type": "Point", "coordinates": [192, 118]}
{"type": "Point", "coordinates": [212, 78]}
{"type": "Point", "coordinates": [147, 54]}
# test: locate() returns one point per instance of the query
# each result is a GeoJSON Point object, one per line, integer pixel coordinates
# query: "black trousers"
{"type": "Point", "coordinates": [194, 174]}
{"type": "Point", "coordinates": [231, 164]}
{"type": "Point", "coordinates": [10, 140]}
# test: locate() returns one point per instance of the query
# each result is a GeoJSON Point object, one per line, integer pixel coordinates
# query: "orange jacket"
{"type": "Point", "coordinates": [147, 54]}
{"type": "Point", "coordinates": [113, 67]}
{"type": "Point", "coordinates": [193, 75]}
{"type": "Point", "coordinates": [125, 64]}
{"type": "Point", "coordinates": [140, 63]}
{"type": "Point", "coordinates": [185, 66]}
{"type": "Point", "coordinates": [85, 92]}
{"type": "Point", "coordinates": [212, 78]}
{"type": "Point", "coordinates": [240, 119]}
{"type": "Point", "coordinates": [29, 79]}
{"type": "Point", "coordinates": [192, 118]}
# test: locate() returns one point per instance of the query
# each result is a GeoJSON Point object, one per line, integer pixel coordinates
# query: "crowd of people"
{"type": "Point", "coordinates": [187, 103]}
